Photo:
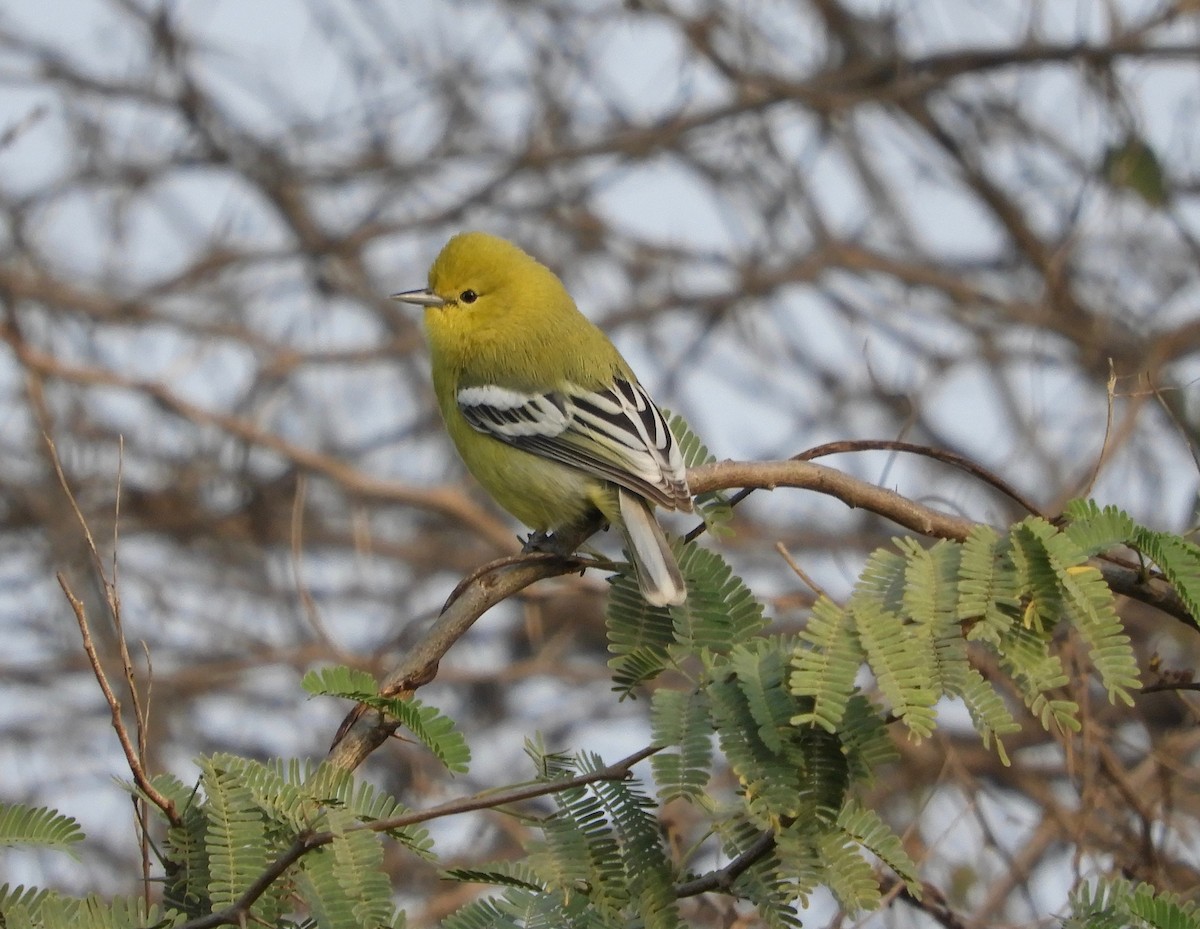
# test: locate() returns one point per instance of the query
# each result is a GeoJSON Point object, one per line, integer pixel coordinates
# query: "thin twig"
{"type": "Point", "coordinates": [931, 902]}
{"type": "Point", "coordinates": [361, 733]}
{"type": "Point", "coordinates": [1185, 434]}
{"type": "Point", "coordinates": [134, 755]}
{"type": "Point", "coordinates": [798, 571]}
{"type": "Point", "coordinates": [955, 460]}
{"type": "Point", "coordinates": [141, 709]}
{"type": "Point", "coordinates": [114, 706]}
{"type": "Point", "coordinates": [1168, 686]}
{"type": "Point", "coordinates": [1110, 394]}
{"type": "Point", "coordinates": [296, 533]}
{"type": "Point", "coordinates": [447, 501]}
{"type": "Point", "coordinates": [722, 879]}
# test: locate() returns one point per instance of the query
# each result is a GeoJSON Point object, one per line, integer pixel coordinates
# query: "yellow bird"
{"type": "Point", "coordinates": [544, 410]}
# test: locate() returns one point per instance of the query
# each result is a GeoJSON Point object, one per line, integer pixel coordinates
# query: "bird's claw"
{"type": "Point", "coordinates": [543, 542]}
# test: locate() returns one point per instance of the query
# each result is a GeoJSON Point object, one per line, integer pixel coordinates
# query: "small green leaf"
{"type": "Point", "coordinates": [1134, 166]}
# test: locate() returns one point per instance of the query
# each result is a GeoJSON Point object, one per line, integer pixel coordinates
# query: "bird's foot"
{"type": "Point", "coordinates": [543, 542]}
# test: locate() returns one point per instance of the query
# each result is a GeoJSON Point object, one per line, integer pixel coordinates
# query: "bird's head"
{"type": "Point", "coordinates": [487, 277]}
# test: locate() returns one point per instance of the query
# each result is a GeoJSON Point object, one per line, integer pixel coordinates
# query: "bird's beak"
{"type": "Point", "coordinates": [425, 297]}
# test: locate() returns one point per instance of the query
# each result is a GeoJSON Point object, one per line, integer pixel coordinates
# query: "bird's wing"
{"type": "Point", "coordinates": [616, 433]}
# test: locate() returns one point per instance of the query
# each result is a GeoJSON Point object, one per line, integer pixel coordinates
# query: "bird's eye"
{"type": "Point", "coordinates": [468, 296]}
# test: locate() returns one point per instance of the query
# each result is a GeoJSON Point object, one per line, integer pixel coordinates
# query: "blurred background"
{"type": "Point", "coordinates": [971, 225]}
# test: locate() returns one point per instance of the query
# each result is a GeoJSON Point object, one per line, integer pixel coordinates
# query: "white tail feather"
{"type": "Point", "coordinates": [657, 572]}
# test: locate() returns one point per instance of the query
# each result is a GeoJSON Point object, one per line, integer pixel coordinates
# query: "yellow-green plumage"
{"type": "Point", "coordinates": [527, 335]}
{"type": "Point", "coordinates": [502, 326]}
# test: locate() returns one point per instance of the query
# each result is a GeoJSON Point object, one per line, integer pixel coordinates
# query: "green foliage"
{"type": "Point", "coordinates": [187, 872]}
{"type": "Point", "coordinates": [501, 874]}
{"type": "Point", "coordinates": [242, 815]}
{"type": "Point", "coordinates": [712, 506]}
{"type": "Point", "coordinates": [914, 612]}
{"type": "Point", "coordinates": [1133, 165]}
{"type": "Point", "coordinates": [826, 665]}
{"type": "Point", "coordinates": [649, 876]}
{"type": "Point", "coordinates": [1081, 596]}
{"type": "Point", "coordinates": [790, 718]}
{"type": "Point", "coordinates": [639, 635]}
{"type": "Point", "coordinates": [864, 826]}
{"type": "Point", "coordinates": [44, 910]}
{"type": "Point", "coordinates": [781, 879]}
{"type": "Point", "coordinates": [800, 723]}
{"type": "Point", "coordinates": [298, 794]}
{"type": "Point", "coordinates": [1177, 558]}
{"type": "Point", "coordinates": [518, 909]}
{"type": "Point", "coordinates": [600, 862]}
{"type": "Point", "coordinates": [431, 728]}
{"type": "Point", "coordinates": [683, 722]}
{"type": "Point", "coordinates": [720, 612]}
{"type": "Point", "coordinates": [900, 660]}
{"type": "Point", "coordinates": [989, 593]}
{"type": "Point", "coordinates": [1119, 904]}
{"type": "Point", "coordinates": [579, 854]}
{"type": "Point", "coordinates": [235, 839]}
{"type": "Point", "coordinates": [850, 876]}
{"type": "Point", "coordinates": [25, 901]}
{"type": "Point", "coordinates": [343, 882]}
{"type": "Point", "coordinates": [787, 772]}
{"type": "Point", "coordinates": [1095, 529]}
{"type": "Point", "coordinates": [38, 826]}
{"type": "Point", "coordinates": [865, 740]}
{"type": "Point", "coordinates": [340, 681]}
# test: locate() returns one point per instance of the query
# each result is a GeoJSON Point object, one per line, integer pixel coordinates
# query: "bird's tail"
{"type": "Point", "coordinates": [657, 571]}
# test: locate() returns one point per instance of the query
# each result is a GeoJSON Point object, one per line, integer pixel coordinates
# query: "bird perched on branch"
{"type": "Point", "coordinates": [544, 410]}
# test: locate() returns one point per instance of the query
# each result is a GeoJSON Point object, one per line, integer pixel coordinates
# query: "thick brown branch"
{"type": "Point", "coordinates": [855, 493]}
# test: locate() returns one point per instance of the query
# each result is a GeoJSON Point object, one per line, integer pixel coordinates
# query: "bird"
{"type": "Point", "coordinates": [544, 411]}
